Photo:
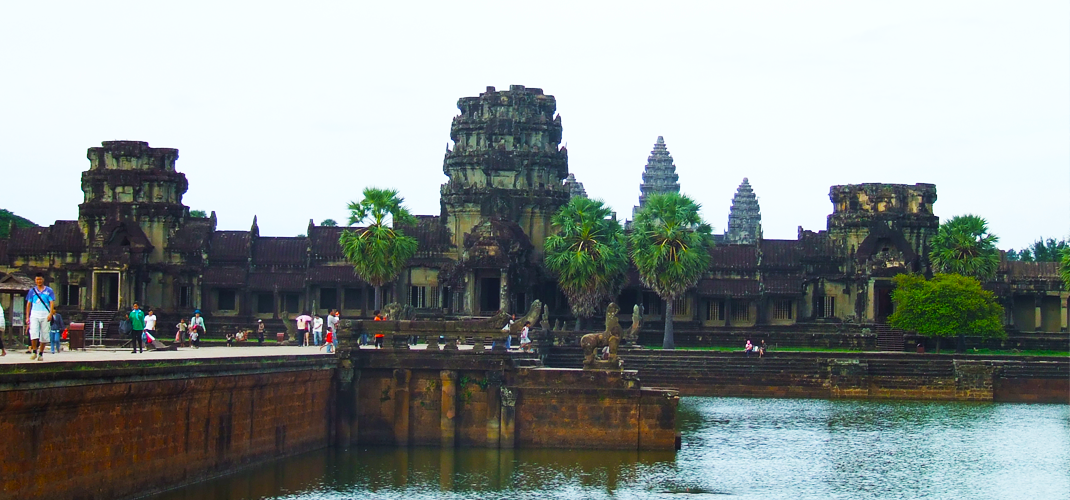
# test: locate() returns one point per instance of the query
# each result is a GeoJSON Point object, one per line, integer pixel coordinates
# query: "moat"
{"type": "Point", "coordinates": [732, 448]}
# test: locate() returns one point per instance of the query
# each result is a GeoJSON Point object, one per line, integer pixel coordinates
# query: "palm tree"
{"type": "Point", "coordinates": [587, 255]}
{"type": "Point", "coordinates": [378, 251]}
{"type": "Point", "coordinates": [964, 246]}
{"type": "Point", "coordinates": [670, 248]}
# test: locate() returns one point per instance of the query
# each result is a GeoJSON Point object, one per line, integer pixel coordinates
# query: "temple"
{"type": "Point", "coordinates": [506, 175]}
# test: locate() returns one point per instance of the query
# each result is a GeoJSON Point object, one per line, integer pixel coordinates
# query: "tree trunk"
{"type": "Point", "coordinates": [668, 342]}
{"type": "Point", "coordinates": [378, 298]}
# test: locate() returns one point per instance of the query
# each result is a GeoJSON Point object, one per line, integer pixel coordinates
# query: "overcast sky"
{"type": "Point", "coordinates": [288, 110]}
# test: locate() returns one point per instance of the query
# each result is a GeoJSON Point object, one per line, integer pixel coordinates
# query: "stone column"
{"type": "Point", "coordinates": [1063, 299]}
{"type": "Point", "coordinates": [503, 296]}
{"type": "Point", "coordinates": [508, 418]}
{"type": "Point", "coordinates": [1038, 314]}
{"type": "Point", "coordinates": [401, 406]}
{"type": "Point", "coordinates": [728, 311]}
{"type": "Point", "coordinates": [447, 422]}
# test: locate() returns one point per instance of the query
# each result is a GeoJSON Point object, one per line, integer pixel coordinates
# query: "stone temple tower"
{"type": "Point", "coordinates": [505, 163]}
{"type": "Point", "coordinates": [659, 176]}
{"type": "Point", "coordinates": [575, 188]}
{"type": "Point", "coordinates": [745, 218]}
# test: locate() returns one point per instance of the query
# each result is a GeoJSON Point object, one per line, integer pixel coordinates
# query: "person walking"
{"type": "Point", "coordinates": [137, 328]}
{"type": "Point", "coordinates": [40, 306]}
{"type": "Point", "coordinates": [150, 327]}
{"type": "Point", "coordinates": [332, 322]}
{"type": "Point", "coordinates": [260, 331]}
{"type": "Point", "coordinates": [196, 325]}
{"type": "Point", "coordinates": [56, 332]}
{"type": "Point", "coordinates": [302, 328]}
{"type": "Point", "coordinates": [525, 339]}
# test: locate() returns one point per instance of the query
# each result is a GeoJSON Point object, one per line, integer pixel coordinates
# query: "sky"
{"type": "Point", "coordinates": [287, 110]}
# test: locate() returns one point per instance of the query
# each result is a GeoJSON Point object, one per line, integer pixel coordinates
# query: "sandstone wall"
{"type": "Point", "coordinates": [119, 432]}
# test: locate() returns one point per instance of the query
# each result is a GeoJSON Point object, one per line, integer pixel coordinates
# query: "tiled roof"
{"type": "Point", "coordinates": [284, 251]}
{"type": "Point", "coordinates": [269, 281]}
{"type": "Point", "coordinates": [783, 284]}
{"type": "Point", "coordinates": [63, 236]}
{"type": "Point", "coordinates": [334, 274]}
{"type": "Point", "coordinates": [1038, 270]}
{"type": "Point", "coordinates": [779, 253]}
{"type": "Point", "coordinates": [734, 257]}
{"type": "Point", "coordinates": [431, 234]}
{"type": "Point", "coordinates": [229, 276]}
{"type": "Point", "coordinates": [324, 242]}
{"type": "Point", "coordinates": [193, 235]}
{"type": "Point", "coordinates": [229, 246]}
{"type": "Point", "coordinates": [15, 283]}
{"type": "Point", "coordinates": [728, 287]}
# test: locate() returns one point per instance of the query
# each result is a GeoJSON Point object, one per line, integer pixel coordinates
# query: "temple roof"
{"type": "Point", "coordinates": [745, 217]}
{"type": "Point", "coordinates": [193, 235]}
{"type": "Point", "coordinates": [65, 236]}
{"type": "Point", "coordinates": [738, 288]}
{"type": "Point", "coordinates": [289, 251]}
{"type": "Point", "coordinates": [229, 246]}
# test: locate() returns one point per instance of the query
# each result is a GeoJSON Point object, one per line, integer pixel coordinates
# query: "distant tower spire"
{"type": "Point", "coordinates": [575, 188]}
{"type": "Point", "coordinates": [660, 176]}
{"type": "Point", "coordinates": [745, 218]}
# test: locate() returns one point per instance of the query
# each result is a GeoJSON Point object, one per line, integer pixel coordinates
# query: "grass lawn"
{"type": "Point", "coordinates": [980, 352]}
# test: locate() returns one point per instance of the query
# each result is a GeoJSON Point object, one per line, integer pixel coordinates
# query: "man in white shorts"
{"type": "Point", "coordinates": [40, 306]}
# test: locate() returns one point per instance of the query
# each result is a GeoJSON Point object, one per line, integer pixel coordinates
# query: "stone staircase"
{"type": "Point", "coordinates": [95, 336]}
{"type": "Point", "coordinates": [890, 339]}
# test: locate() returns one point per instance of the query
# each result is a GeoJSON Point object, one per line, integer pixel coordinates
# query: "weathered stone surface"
{"type": "Point", "coordinates": [745, 217]}
{"type": "Point", "coordinates": [659, 176]}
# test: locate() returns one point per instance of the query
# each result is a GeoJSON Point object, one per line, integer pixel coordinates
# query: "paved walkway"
{"type": "Point", "coordinates": [116, 354]}
{"type": "Point", "coordinates": [123, 354]}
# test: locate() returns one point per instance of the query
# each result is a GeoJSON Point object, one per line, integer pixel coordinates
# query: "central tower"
{"type": "Point", "coordinates": [505, 163]}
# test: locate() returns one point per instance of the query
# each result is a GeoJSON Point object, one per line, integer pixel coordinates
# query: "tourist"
{"type": "Point", "coordinates": [378, 335]}
{"type": "Point", "coordinates": [230, 339]}
{"type": "Point", "coordinates": [194, 336]}
{"type": "Point", "coordinates": [332, 321]}
{"type": "Point", "coordinates": [260, 331]}
{"type": "Point", "coordinates": [40, 306]}
{"type": "Point", "coordinates": [150, 325]}
{"type": "Point", "coordinates": [180, 331]}
{"type": "Point", "coordinates": [328, 342]}
{"type": "Point", "coordinates": [317, 330]}
{"type": "Point", "coordinates": [137, 327]}
{"type": "Point", "coordinates": [525, 340]}
{"type": "Point", "coordinates": [748, 348]}
{"type": "Point", "coordinates": [302, 328]}
{"type": "Point", "coordinates": [761, 349]}
{"type": "Point", "coordinates": [196, 324]}
{"type": "Point", "coordinates": [56, 332]}
{"type": "Point", "coordinates": [3, 328]}
{"type": "Point", "coordinates": [509, 334]}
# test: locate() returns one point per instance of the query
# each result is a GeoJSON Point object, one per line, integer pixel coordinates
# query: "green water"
{"type": "Point", "coordinates": [732, 448]}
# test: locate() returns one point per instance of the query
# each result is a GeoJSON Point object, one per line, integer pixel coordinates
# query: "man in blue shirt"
{"type": "Point", "coordinates": [40, 306]}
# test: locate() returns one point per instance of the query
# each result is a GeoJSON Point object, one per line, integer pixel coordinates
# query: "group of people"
{"type": "Point", "coordinates": [140, 326]}
{"type": "Point", "coordinates": [525, 335]}
{"type": "Point", "coordinates": [758, 349]}
{"type": "Point", "coordinates": [310, 330]}
{"type": "Point", "coordinates": [188, 333]}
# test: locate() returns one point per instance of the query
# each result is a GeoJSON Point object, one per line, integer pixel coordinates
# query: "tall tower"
{"type": "Point", "coordinates": [745, 218]}
{"type": "Point", "coordinates": [575, 188]}
{"type": "Point", "coordinates": [505, 163]}
{"type": "Point", "coordinates": [659, 176]}
{"type": "Point", "coordinates": [132, 191]}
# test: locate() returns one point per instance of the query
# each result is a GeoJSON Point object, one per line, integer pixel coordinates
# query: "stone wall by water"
{"type": "Point", "coordinates": [110, 431]}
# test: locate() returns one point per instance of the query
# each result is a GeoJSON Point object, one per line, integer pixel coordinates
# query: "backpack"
{"type": "Point", "coordinates": [125, 327]}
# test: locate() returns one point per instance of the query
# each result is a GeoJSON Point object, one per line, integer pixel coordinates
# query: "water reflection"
{"type": "Point", "coordinates": [733, 448]}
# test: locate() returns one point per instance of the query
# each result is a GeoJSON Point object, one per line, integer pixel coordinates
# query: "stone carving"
{"type": "Point", "coordinates": [397, 312]}
{"type": "Point", "coordinates": [632, 335]}
{"type": "Point", "coordinates": [508, 397]}
{"type": "Point", "coordinates": [533, 315]}
{"type": "Point", "coordinates": [592, 343]}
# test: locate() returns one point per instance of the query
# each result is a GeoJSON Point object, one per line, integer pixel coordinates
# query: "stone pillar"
{"type": "Point", "coordinates": [447, 423]}
{"type": "Point", "coordinates": [508, 421]}
{"type": "Point", "coordinates": [1038, 314]}
{"type": "Point", "coordinates": [503, 288]}
{"type": "Point", "coordinates": [1063, 299]}
{"type": "Point", "coordinates": [401, 406]}
{"type": "Point", "coordinates": [728, 311]}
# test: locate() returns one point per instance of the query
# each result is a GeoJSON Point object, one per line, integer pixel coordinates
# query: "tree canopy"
{"type": "Point", "coordinates": [587, 254]}
{"type": "Point", "coordinates": [7, 217]}
{"type": "Point", "coordinates": [670, 248]}
{"type": "Point", "coordinates": [329, 223]}
{"type": "Point", "coordinates": [945, 306]}
{"type": "Point", "coordinates": [198, 213]}
{"type": "Point", "coordinates": [964, 246]}
{"type": "Point", "coordinates": [1042, 250]}
{"type": "Point", "coordinates": [1064, 268]}
{"type": "Point", "coordinates": [379, 250]}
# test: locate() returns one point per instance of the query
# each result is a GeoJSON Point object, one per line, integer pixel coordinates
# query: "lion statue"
{"type": "Point", "coordinates": [592, 343]}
